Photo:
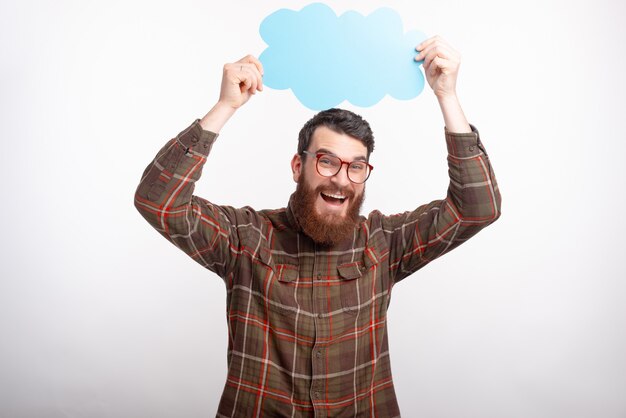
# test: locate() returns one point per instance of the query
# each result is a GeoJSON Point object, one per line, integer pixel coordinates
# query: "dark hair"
{"type": "Point", "coordinates": [341, 121]}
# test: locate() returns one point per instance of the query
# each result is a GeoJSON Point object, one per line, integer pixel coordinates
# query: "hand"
{"type": "Point", "coordinates": [240, 80]}
{"type": "Point", "coordinates": [441, 65]}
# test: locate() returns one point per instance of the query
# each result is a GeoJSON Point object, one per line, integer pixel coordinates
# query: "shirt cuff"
{"type": "Point", "coordinates": [464, 145]}
{"type": "Point", "coordinates": [196, 139]}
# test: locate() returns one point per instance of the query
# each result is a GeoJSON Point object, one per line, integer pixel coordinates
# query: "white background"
{"type": "Point", "coordinates": [101, 317]}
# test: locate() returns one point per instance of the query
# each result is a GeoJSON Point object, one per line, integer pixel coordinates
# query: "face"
{"type": "Point", "coordinates": [328, 207]}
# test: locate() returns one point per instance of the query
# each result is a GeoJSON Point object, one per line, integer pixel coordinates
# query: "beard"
{"type": "Point", "coordinates": [330, 229]}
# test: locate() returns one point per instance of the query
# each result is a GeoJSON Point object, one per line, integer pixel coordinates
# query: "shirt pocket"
{"type": "Point", "coordinates": [359, 283]}
{"type": "Point", "coordinates": [271, 284]}
{"type": "Point", "coordinates": [282, 293]}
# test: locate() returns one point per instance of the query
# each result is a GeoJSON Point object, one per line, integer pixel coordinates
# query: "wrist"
{"type": "Point", "coordinates": [224, 107]}
{"type": "Point", "coordinates": [217, 117]}
{"type": "Point", "coordinates": [453, 115]}
{"type": "Point", "coordinates": [445, 98]}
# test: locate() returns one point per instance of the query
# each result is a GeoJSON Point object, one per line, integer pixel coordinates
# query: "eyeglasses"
{"type": "Point", "coordinates": [329, 165]}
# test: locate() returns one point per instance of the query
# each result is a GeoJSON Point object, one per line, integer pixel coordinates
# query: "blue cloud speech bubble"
{"type": "Point", "coordinates": [326, 59]}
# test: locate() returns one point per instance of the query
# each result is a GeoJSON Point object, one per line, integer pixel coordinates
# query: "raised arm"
{"type": "Point", "coordinates": [473, 198]}
{"type": "Point", "coordinates": [164, 197]}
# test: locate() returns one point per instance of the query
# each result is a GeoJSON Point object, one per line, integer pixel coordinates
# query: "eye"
{"type": "Point", "coordinates": [329, 161]}
{"type": "Point", "coordinates": [325, 160]}
{"type": "Point", "coordinates": [357, 166]}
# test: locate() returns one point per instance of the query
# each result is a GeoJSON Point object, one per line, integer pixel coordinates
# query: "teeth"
{"type": "Point", "coordinates": [334, 196]}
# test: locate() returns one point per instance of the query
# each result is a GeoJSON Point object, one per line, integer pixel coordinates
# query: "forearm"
{"type": "Point", "coordinates": [166, 187]}
{"type": "Point", "coordinates": [473, 191]}
{"type": "Point", "coordinates": [453, 115]}
{"type": "Point", "coordinates": [217, 117]}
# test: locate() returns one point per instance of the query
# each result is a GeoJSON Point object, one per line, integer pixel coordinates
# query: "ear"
{"type": "Point", "coordinates": [296, 167]}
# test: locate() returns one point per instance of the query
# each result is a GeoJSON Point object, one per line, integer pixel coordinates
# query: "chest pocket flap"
{"type": "Point", "coordinates": [351, 271]}
{"type": "Point", "coordinates": [286, 273]}
{"type": "Point", "coordinates": [355, 269]}
{"type": "Point", "coordinates": [357, 295]}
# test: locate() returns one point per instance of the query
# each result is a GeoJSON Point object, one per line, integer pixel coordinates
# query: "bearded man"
{"type": "Point", "coordinates": [308, 285]}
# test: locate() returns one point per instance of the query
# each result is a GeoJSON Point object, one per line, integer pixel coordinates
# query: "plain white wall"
{"type": "Point", "coordinates": [101, 317]}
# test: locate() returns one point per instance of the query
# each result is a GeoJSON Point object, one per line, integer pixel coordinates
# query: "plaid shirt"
{"type": "Point", "coordinates": [308, 325]}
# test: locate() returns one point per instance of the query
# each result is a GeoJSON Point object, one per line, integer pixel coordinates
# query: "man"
{"type": "Point", "coordinates": [308, 285]}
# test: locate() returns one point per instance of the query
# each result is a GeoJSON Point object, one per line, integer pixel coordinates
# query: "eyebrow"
{"type": "Point", "coordinates": [326, 151]}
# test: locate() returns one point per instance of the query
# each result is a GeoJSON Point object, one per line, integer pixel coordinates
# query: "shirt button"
{"type": "Point", "coordinates": [319, 276]}
{"type": "Point", "coordinates": [319, 315]}
{"type": "Point", "coordinates": [195, 140]}
{"type": "Point", "coordinates": [471, 148]}
{"type": "Point", "coordinates": [318, 353]}
{"type": "Point", "coordinates": [317, 395]}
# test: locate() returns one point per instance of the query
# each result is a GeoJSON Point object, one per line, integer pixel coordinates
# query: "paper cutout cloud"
{"type": "Point", "coordinates": [326, 59]}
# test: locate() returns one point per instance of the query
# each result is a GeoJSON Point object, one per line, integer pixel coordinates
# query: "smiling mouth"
{"type": "Point", "coordinates": [333, 199]}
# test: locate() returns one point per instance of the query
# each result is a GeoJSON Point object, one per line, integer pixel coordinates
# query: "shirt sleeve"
{"type": "Point", "coordinates": [164, 197]}
{"type": "Point", "coordinates": [473, 201]}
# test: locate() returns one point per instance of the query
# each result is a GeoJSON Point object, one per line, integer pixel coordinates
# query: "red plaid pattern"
{"type": "Point", "coordinates": [308, 325]}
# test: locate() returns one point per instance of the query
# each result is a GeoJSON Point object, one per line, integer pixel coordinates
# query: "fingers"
{"type": "Point", "coordinates": [240, 80]}
{"type": "Point", "coordinates": [432, 52]}
{"type": "Point", "coordinates": [247, 73]}
{"type": "Point", "coordinates": [430, 41]}
{"type": "Point", "coordinates": [254, 69]}
{"type": "Point", "coordinates": [438, 64]}
{"type": "Point", "coordinates": [250, 59]}
{"type": "Point", "coordinates": [440, 57]}
{"type": "Point", "coordinates": [436, 54]}
{"type": "Point", "coordinates": [249, 81]}
{"type": "Point", "coordinates": [433, 47]}
{"type": "Point", "coordinates": [249, 77]}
